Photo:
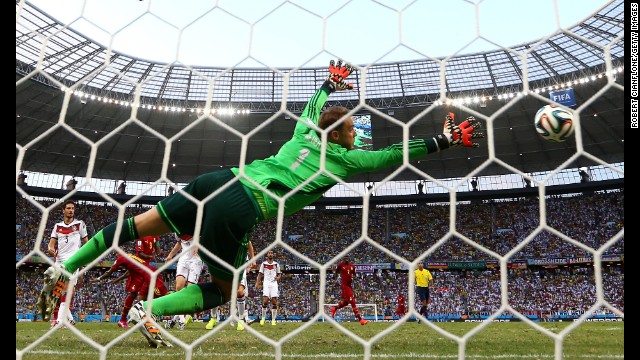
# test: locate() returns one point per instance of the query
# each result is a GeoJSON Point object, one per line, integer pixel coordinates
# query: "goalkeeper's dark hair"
{"type": "Point", "coordinates": [330, 116]}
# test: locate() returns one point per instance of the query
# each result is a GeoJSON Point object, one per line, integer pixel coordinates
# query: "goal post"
{"type": "Point", "coordinates": [346, 313]}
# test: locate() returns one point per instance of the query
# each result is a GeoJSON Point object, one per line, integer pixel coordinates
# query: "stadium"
{"type": "Point", "coordinates": [524, 236]}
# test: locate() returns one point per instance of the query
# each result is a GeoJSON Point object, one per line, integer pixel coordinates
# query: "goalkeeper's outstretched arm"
{"type": "Point", "coordinates": [453, 135]}
{"type": "Point", "coordinates": [335, 81]}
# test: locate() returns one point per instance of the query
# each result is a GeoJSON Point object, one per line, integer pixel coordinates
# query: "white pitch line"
{"type": "Point", "coordinates": [197, 352]}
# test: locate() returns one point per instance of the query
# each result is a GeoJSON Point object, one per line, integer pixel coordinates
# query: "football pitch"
{"type": "Point", "coordinates": [595, 340]}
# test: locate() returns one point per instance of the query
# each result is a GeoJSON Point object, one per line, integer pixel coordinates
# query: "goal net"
{"type": "Point", "coordinates": [367, 311]}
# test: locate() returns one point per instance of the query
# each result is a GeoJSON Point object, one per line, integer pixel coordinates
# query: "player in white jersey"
{"type": "Point", "coordinates": [188, 272]}
{"type": "Point", "coordinates": [67, 237]}
{"type": "Point", "coordinates": [271, 272]}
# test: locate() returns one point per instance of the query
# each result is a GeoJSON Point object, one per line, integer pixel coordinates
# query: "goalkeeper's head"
{"type": "Point", "coordinates": [345, 259]}
{"type": "Point", "coordinates": [343, 133]}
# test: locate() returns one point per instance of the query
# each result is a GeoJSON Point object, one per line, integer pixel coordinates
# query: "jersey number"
{"type": "Point", "coordinates": [303, 154]}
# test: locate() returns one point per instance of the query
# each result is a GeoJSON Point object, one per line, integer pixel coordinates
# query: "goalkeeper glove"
{"type": "Point", "coordinates": [463, 133]}
{"type": "Point", "coordinates": [456, 135]}
{"type": "Point", "coordinates": [337, 74]}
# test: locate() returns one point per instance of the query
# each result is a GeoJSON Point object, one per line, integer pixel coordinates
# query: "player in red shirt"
{"type": "Point", "coordinates": [137, 282]}
{"type": "Point", "coordinates": [401, 309]}
{"type": "Point", "coordinates": [346, 270]}
{"type": "Point", "coordinates": [146, 247]}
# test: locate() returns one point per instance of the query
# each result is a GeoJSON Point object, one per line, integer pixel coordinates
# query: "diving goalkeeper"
{"type": "Point", "coordinates": [233, 212]}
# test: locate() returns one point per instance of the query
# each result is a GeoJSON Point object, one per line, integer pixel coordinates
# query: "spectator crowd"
{"type": "Point", "coordinates": [498, 226]}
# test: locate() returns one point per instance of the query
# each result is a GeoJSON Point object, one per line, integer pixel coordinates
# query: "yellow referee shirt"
{"type": "Point", "coordinates": [423, 277]}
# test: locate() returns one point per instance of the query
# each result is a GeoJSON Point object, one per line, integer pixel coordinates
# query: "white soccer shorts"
{"type": "Point", "coordinates": [270, 291]}
{"type": "Point", "coordinates": [189, 269]}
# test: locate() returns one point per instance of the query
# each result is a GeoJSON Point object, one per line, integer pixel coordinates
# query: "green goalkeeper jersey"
{"type": "Point", "coordinates": [298, 162]}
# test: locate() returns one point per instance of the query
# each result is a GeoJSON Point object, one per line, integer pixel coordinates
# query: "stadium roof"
{"type": "Point", "coordinates": [129, 146]}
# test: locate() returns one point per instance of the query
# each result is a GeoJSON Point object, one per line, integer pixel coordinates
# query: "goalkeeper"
{"type": "Point", "coordinates": [240, 204]}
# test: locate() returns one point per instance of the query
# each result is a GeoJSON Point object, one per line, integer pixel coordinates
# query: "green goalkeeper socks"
{"type": "Point", "coordinates": [191, 299]}
{"type": "Point", "coordinates": [99, 243]}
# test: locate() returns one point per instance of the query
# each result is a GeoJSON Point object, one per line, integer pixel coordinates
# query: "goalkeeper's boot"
{"type": "Point", "coordinates": [188, 319]}
{"type": "Point", "coordinates": [262, 321]}
{"type": "Point", "coordinates": [211, 324]}
{"type": "Point", "coordinates": [149, 330]}
{"type": "Point", "coordinates": [364, 322]}
{"type": "Point", "coordinates": [249, 321]}
{"type": "Point", "coordinates": [54, 283]}
{"type": "Point", "coordinates": [240, 327]}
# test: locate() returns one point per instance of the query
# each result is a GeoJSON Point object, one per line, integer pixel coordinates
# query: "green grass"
{"type": "Point", "coordinates": [325, 341]}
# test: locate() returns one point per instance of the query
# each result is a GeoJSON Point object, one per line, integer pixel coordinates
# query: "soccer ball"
{"type": "Point", "coordinates": [553, 123]}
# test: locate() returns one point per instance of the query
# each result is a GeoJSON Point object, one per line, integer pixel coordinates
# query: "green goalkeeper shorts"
{"type": "Point", "coordinates": [228, 218]}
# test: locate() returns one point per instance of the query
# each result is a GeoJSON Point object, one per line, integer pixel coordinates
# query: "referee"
{"type": "Point", "coordinates": [423, 280]}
